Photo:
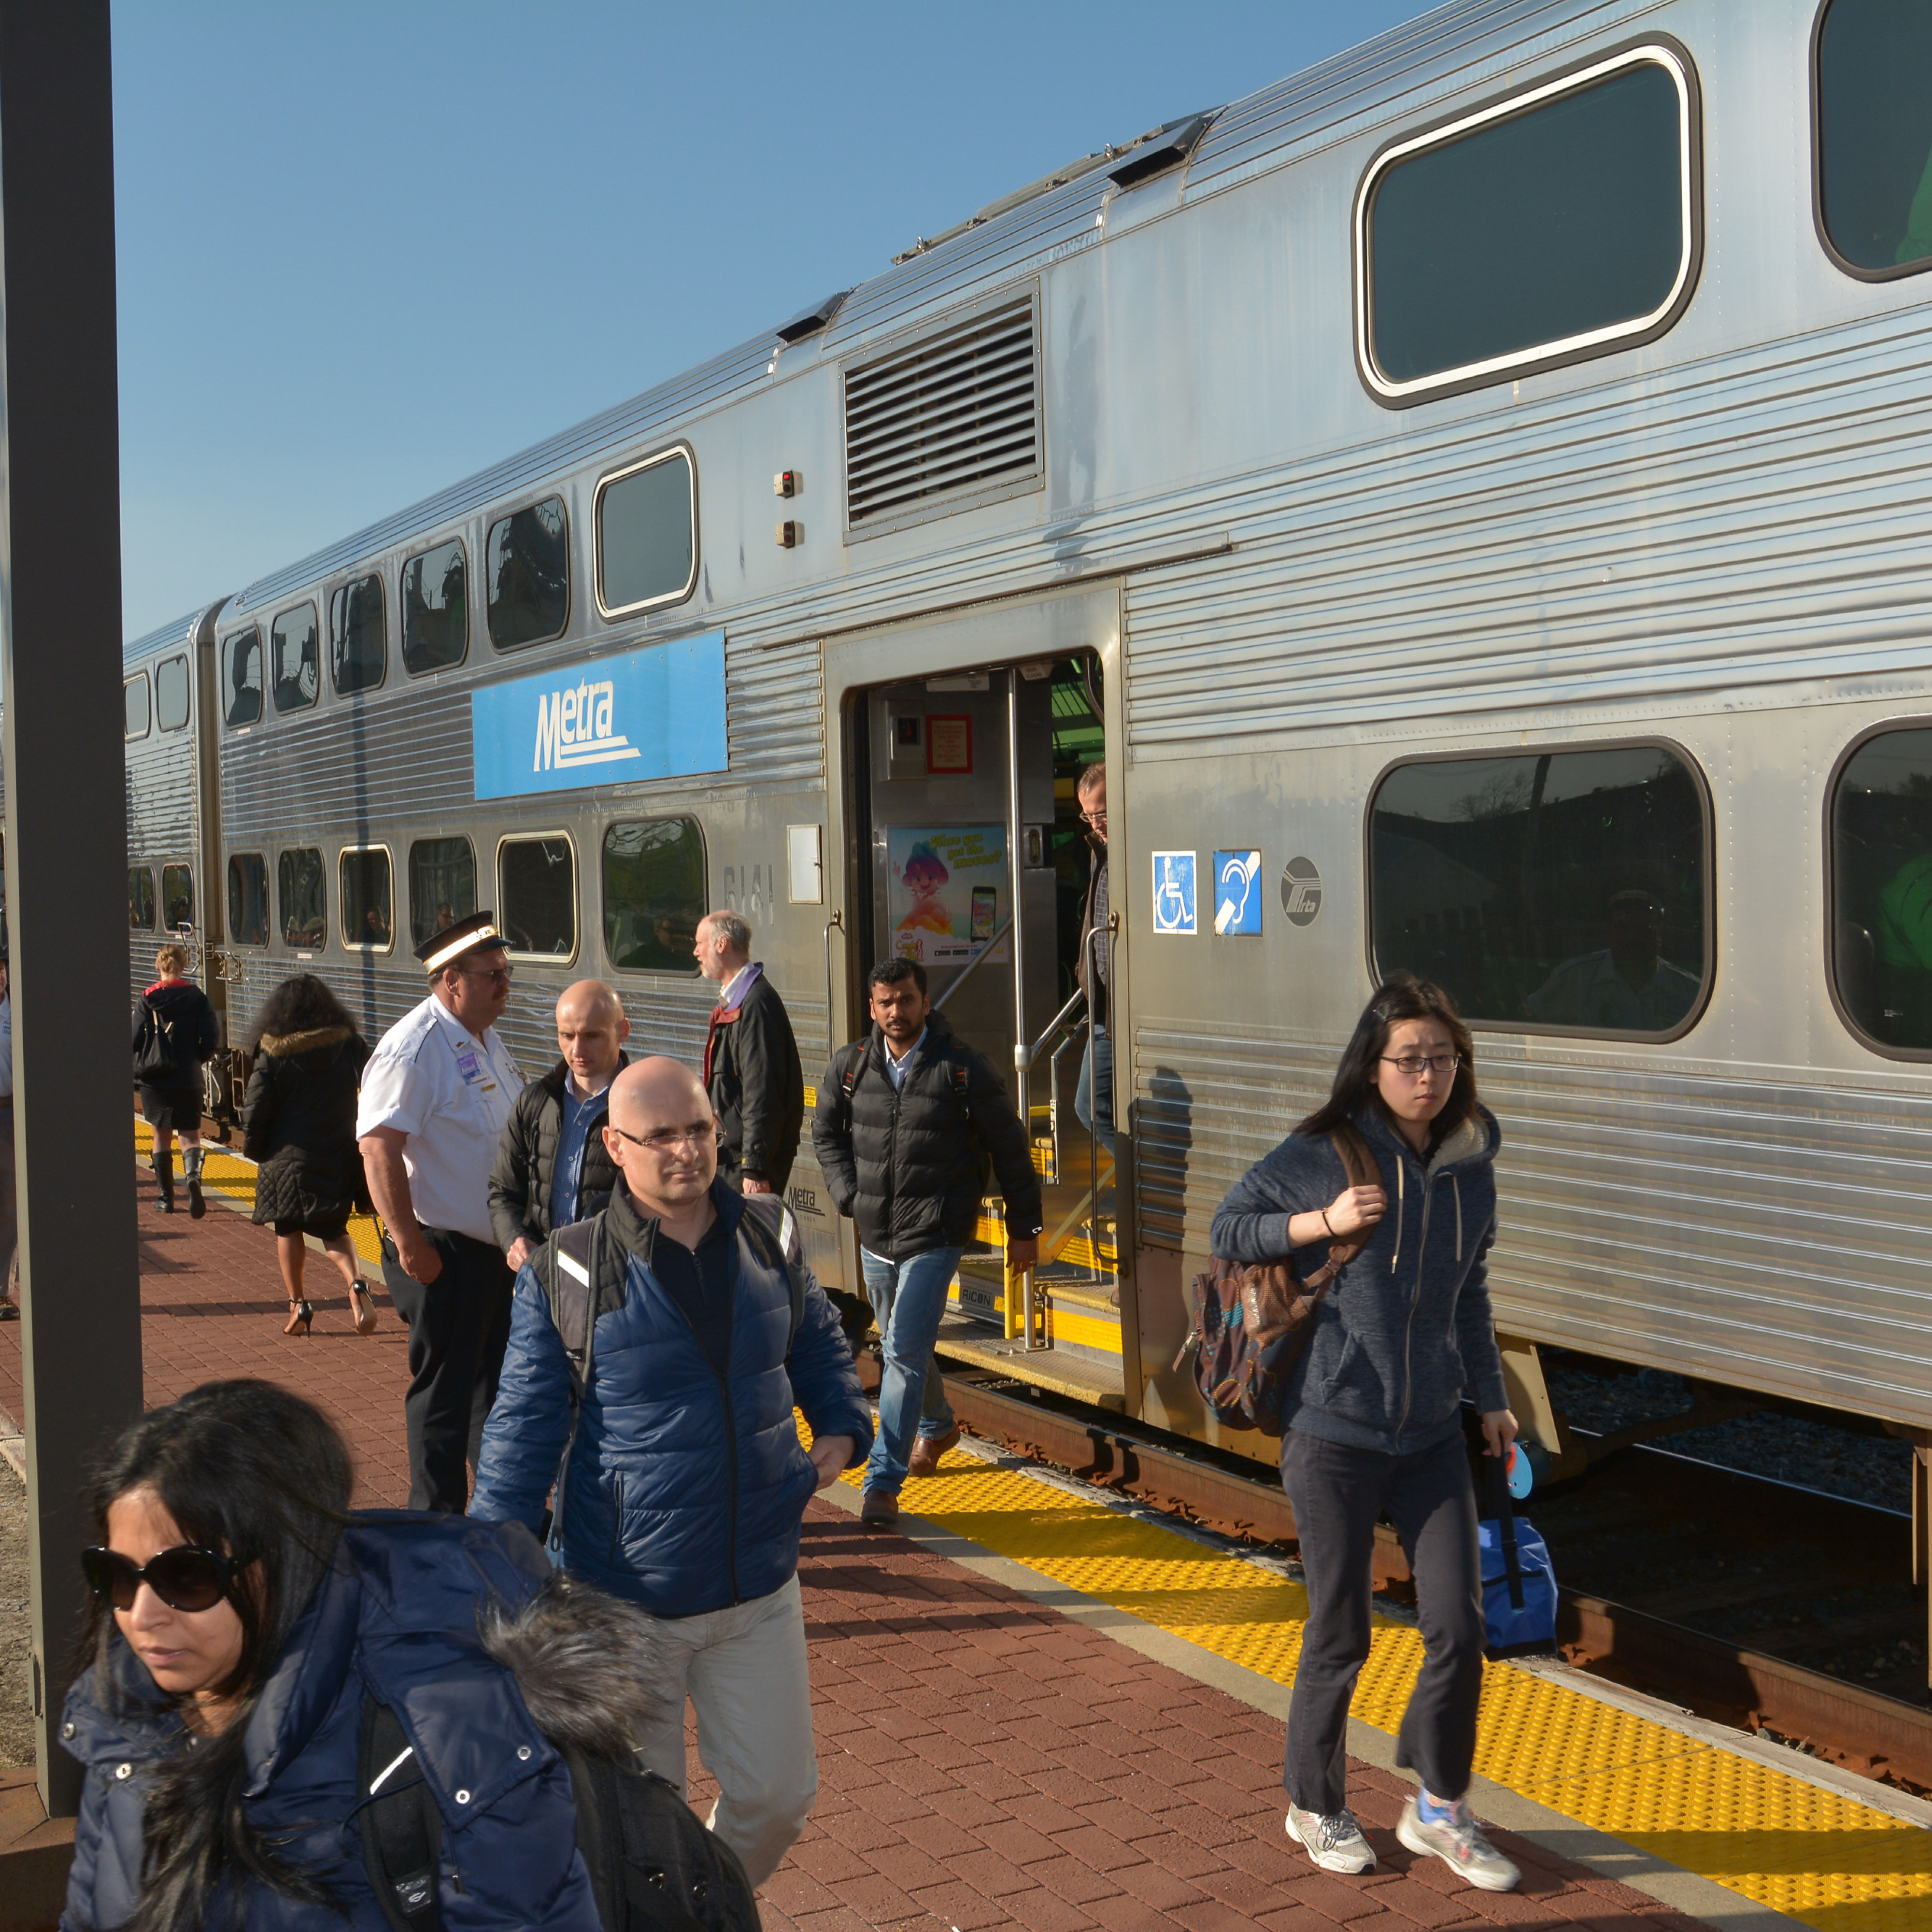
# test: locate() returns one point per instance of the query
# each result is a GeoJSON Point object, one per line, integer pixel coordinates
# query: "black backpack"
{"type": "Point", "coordinates": [653, 1867]}
{"type": "Point", "coordinates": [156, 1060]}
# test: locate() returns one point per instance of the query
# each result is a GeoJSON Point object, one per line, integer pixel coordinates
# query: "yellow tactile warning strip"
{"type": "Point", "coordinates": [1832, 1863]}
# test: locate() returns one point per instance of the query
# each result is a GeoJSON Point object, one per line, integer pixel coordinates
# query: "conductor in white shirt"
{"type": "Point", "coordinates": [436, 1095]}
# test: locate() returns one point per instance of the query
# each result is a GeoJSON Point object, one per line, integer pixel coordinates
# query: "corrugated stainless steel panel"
{"type": "Point", "coordinates": [775, 714]}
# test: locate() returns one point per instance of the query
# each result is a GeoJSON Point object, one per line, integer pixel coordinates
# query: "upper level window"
{"type": "Point", "coordinates": [536, 896]}
{"type": "Point", "coordinates": [435, 592]}
{"type": "Point", "coordinates": [177, 896]}
{"type": "Point", "coordinates": [358, 633]}
{"type": "Point", "coordinates": [1874, 128]}
{"type": "Point", "coordinates": [135, 709]}
{"type": "Point", "coordinates": [530, 575]}
{"type": "Point", "coordinates": [1558, 223]}
{"type": "Point", "coordinates": [367, 907]}
{"type": "Point", "coordinates": [141, 897]}
{"type": "Point", "coordinates": [442, 885]}
{"type": "Point", "coordinates": [1548, 888]}
{"type": "Point", "coordinates": [241, 677]}
{"type": "Point", "coordinates": [646, 535]}
{"type": "Point", "coordinates": [248, 899]}
{"type": "Point", "coordinates": [294, 658]}
{"type": "Point", "coordinates": [171, 693]}
{"type": "Point", "coordinates": [301, 899]}
{"type": "Point", "coordinates": [653, 893]}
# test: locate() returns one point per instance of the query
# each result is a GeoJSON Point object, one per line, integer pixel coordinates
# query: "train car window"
{"type": "Point", "coordinates": [654, 894]}
{"type": "Point", "coordinates": [177, 897]}
{"type": "Point", "coordinates": [1549, 889]}
{"type": "Point", "coordinates": [646, 535]}
{"type": "Point", "coordinates": [141, 898]}
{"type": "Point", "coordinates": [1558, 223]}
{"type": "Point", "coordinates": [536, 896]}
{"type": "Point", "coordinates": [368, 904]}
{"type": "Point", "coordinates": [136, 712]}
{"type": "Point", "coordinates": [247, 899]}
{"type": "Point", "coordinates": [294, 659]}
{"type": "Point", "coordinates": [443, 885]}
{"type": "Point", "coordinates": [435, 593]}
{"type": "Point", "coordinates": [241, 677]}
{"type": "Point", "coordinates": [301, 907]}
{"type": "Point", "coordinates": [530, 575]}
{"type": "Point", "coordinates": [1881, 856]}
{"type": "Point", "coordinates": [358, 633]}
{"type": "Point", "coordinates": [171, 693]}
{"type": "Point", "coordinates": [1872, 119]}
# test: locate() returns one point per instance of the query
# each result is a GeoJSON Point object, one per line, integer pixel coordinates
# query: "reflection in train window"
{"type": "Point", "coordinates": [294, 658]}
{"type": "Point", "coordinates": [241, 678]}
{"type": "Point", "coordinates": [536, 896]}
{"type": "Point", "coordinates": [1882, 889]}
{"type": "Point", "coordinates": [367, 907]}
{"type": "Point", "coordinates": [530, 575]}
{"type": "Point", "coordinates": [248, 899]}
{"type": "Point", "coordinates": [1553, 889]}
{"type": "Point", "coordinates": [443, 885]}
{"type": "Point", "coordinates": [1533, 230]}
{"type": "Point", "coordinates": [141, 897]}
{"type": "Point", "coordinates": [1874, 128]}
{"type": "Point", "coordinates": [358, 633]}
{"type": "Point", "coordinates": [653, 893]}
{"type": "Point", "coordinates": [647, 532]}
{"type": "Point", "coordinates": [134, 707]}
{"type": "Point", "coordinates": [301, 906]}
{"type": "Point", "coordinates": [171, 693]}
{"type": "Point", "coordinates": [177, 897]}
{"type": "Point", "coordinates": [435, 591]}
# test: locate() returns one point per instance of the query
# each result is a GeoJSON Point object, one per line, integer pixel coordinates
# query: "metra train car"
{"type": "Point", "coordinates": [1474, 494]}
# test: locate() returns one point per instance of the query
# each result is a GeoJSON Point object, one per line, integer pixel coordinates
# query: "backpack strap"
{"type": "Point", "coordinates": [1358, 1164]}
{"type": "Point", "coordinates": [574, 1260]}
{"type": "Point", "coordinates": [775, 1245]}
{"type": "Point", "coordinates": [402, 1829]}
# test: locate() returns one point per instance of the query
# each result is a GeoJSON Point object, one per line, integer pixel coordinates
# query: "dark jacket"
{"type": "Point", "coordinates": [905, 1164]}
{"type": "Point", "coordinates": [525, 1162]}
{"type": "Point", "coordinates": [197, 1033]}
{"type": "Point", "coordinates": [685, 1490]}
{"type": "Point", "coordinates": [298, 1121]}
{"type": "Point", "coordinates": [398, 1615]}
{"type": "Point", "coordinates": [1406, 1326]}
{"type": "Point", "coordinates": [1094, 958]}
{"type": "Point", "coordinates": [757, 1088]}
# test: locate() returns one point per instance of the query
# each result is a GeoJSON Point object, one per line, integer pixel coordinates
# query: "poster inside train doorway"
{"type": "Point", "coordinates": [950, 891]}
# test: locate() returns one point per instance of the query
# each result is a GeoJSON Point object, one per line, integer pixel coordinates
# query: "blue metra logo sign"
{"type": "Point", "coordinates": [651, 714]}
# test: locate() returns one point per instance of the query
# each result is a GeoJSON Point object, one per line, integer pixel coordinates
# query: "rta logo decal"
{"type": "Point", "coordinates": [578, 727]}
{"type": "Point", "coordinates": [1301, 891]}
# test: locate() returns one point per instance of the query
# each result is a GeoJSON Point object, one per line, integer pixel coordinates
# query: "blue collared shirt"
{"type": "Point", "coordinates": [572, 1134]}
{"type": "Point", "coordinates": [896, 1070]}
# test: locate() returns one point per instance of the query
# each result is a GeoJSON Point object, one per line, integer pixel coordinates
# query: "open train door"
{"type": "Point", "coordinates": [961, 739]}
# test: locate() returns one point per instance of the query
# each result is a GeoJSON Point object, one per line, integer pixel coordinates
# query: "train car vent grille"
{"type": "Point", "coordinates": [951, 420]}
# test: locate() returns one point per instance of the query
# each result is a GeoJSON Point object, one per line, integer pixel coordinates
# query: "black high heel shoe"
{"type": "Point", "coordinates": [362, 1309]}
{"type": "Point", "coordinates": [301, 1314]}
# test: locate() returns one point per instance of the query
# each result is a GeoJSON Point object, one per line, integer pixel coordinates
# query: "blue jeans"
{"type": "Point", "coordinates": [908, 1298]}
{"type": "Point", "coordinates": [1093, 1091]}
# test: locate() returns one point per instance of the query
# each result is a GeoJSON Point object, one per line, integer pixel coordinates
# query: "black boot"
{"type": "Point", "coordinates": [191, 1169]}
{"type": "Point", "coordinates": [164, 1164]}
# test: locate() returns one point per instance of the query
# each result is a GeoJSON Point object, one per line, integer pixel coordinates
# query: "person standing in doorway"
{"type": "Point", "coordinates": [437, 1095]}
{"type": "Point", "coordinates": [175, 1035]}
{"type": "Point", "coordinates": [1093, 1095]}
{"type": "Point", "coordinates": [751, 1061]}
{"type": "Point", "coordinates": [903, 1117]}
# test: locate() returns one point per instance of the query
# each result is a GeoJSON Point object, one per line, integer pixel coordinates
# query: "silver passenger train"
{"type": "Point", "coordinates": [1473, 493]}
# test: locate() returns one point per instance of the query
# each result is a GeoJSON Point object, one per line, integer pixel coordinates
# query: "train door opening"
{"type": "Point", "coordinates": [978, 864]}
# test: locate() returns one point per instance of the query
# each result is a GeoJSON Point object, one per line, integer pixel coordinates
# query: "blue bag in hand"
{"type": "Point", "coordinates": [1519, 1583]}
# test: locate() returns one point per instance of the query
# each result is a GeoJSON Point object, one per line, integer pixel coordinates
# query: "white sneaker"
{"type": "Point", "coordinates": [1334, 1842]}
{"type": "Point", "coordinates": [1458, 1841]}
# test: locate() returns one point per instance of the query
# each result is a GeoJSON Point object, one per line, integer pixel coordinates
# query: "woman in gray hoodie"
{"type": "Point", "coordinates": [1374, 1423]}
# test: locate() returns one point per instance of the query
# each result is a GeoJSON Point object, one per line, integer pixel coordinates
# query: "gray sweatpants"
{"type": "Point", "coordinates": [1338, 1492]}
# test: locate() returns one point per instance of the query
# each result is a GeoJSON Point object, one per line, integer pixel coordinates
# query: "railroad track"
{"type": "Point", "coordinates": [1692, 1544]}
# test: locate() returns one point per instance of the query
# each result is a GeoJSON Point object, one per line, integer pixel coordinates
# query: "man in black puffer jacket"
{"type": "Point", "coordinates": [905, 1118]}
{"type": "Point", "coordinates": [551, 1168]}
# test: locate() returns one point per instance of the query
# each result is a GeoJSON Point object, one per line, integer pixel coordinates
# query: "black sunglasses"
{"type": "Point", "coordinates": [184, 1578]}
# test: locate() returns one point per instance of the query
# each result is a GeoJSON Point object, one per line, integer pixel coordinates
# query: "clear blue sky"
{"type": "Point", "coordinates": [366, 248]}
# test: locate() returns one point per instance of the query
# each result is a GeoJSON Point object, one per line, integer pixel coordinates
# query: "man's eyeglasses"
{"type": "Point", "coordinates": [1096, 819]}
{"type": "Point", "coordinates": [668, 1140]}
{"type": "Point", "coordinates": [503, 975]}
{"type": "Point", "coordinates": [1410, 1065]}
{"type": "Point", "coordinates": [185, 1578]}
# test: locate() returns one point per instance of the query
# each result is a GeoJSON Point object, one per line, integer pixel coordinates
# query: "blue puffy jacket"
{"type": "Point", "coordinates": [685, 1490]}
{"type": "Point", "coordinates": [397, 1616]}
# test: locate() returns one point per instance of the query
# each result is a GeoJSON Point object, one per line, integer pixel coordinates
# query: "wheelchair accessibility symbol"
{"type": "Point", "coordinates": [1174, 900]}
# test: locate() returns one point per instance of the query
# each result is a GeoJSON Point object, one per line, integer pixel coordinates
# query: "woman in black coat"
{"type": "Point", "coordinates": [298, 1122]}
{"type": "Point", "coordinates": [175, 1033]}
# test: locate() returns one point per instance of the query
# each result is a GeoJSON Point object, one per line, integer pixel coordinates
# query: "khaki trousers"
{"type": "Point", "coordinates": [744, 1670]}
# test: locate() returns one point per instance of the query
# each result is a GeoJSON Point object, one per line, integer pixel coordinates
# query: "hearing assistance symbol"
{"type": "Point", "coordinates": [1238, 906]}
{"type": "Point", "coordinates": [1174, 901]}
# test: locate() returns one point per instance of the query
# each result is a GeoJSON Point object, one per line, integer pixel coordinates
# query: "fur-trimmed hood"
{"type": "Point", "coordinates": [286, 1046]}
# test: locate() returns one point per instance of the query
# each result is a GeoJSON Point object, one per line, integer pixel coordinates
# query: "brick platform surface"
{"type": "Point", "coordinates": [983, 1761]}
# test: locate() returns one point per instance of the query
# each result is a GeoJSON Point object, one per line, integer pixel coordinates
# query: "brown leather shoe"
{"type": "Point", "coordinates": [878, 1509]}
{"type": "Point", "coordinates": [924, 1460]}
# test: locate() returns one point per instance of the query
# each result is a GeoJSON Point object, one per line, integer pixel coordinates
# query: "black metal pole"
{"type": "Point", "coordinates": [67, 833]}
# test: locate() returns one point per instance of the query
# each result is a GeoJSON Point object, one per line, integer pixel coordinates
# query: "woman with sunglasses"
{"type": "Point", "coordinates": [242, 1619]}
{"type": "Point", "coordinates": [1375, 1416]}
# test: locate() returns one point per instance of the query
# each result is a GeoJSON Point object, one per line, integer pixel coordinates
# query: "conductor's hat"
{"type": "Point", "coordinates": [455, 943]}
